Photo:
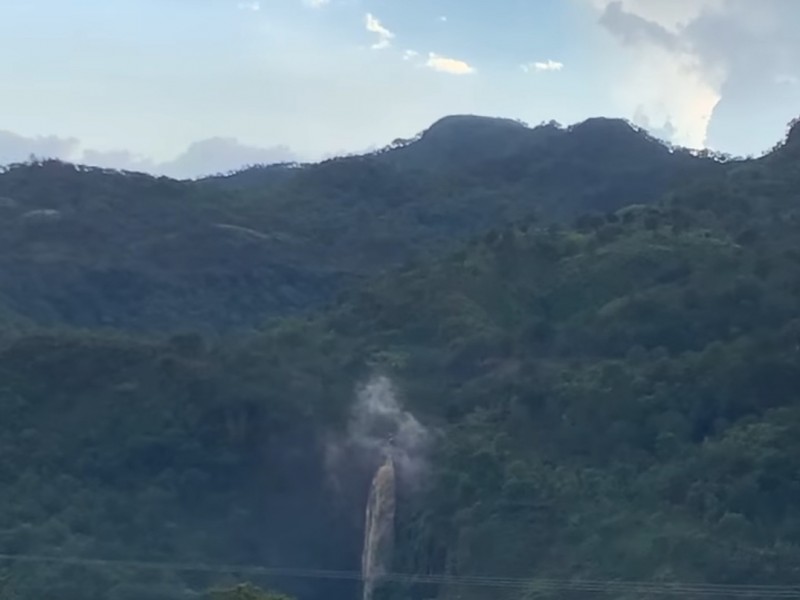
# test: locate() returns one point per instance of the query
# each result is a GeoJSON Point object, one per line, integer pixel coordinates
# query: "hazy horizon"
{"type": "Point", "coordinates": [261, 157]}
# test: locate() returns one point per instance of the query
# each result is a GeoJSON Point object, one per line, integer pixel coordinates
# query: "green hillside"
{"type": "Point", "coordinates": [609, 400]}
{"type": "Point", "coordinates": [96, 248]}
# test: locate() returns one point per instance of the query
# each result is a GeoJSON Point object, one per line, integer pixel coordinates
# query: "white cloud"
{"type": "Point", "coordinates": [317, 3]}
{"type": "Point", "coordinates": [385, 36]}
{"type": "Point", "coordinates": [254, 6]}
{"type": "Point", "coordinates": [548, 65]}
{"type": "Point", "coordinates": [17, 148]}
{"type": "Point", "coordinates": [663, 131]}
{"type": "Point", "coordinates": [665, 82]}
{"type": "Point", "coordinates": [123, 160]}
{"type": "Point", "coordinates": [409, 54]}
{"type": "Point", "coordinates": [452, 66]}
{"type": "Point", "coordinates": [221, 154]}
{"type": "Point", "coordinates": [443, 19]}
{"type": "Point", "coordinates": [707, 66]}
{"type": "Point", "coordinates": [205, 157]}
{"type": "Point", "coordinates": [665, 87]}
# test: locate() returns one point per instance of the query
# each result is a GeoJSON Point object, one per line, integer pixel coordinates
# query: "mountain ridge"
{"type": "Point", "coordinates": [273, 240]}
{"type": "Point", "coordinates": [450, 133]}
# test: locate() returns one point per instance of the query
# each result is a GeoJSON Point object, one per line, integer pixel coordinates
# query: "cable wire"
{"type": "Point", "coordinates": [516, 583]}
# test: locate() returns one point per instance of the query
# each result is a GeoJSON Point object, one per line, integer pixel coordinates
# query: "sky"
{"type": "Point", "coordinates": [191, 87]}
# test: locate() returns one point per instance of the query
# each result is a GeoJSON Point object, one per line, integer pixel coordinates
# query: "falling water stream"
{"type": "Point", "coordinates": [379, 528]}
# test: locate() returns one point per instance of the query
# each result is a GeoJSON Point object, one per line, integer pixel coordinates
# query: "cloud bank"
{"type": "Point", "coordinates": [704, 68]}
{"type": "Point", "coordinates": [17, 148]}
{"type": "Point", "coordinates": [205, 157]}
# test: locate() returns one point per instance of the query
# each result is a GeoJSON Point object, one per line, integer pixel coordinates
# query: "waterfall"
{"type": "Point", "coordinates": [380, 433]}
{"type": "Point", "coordinates": [379, 528]}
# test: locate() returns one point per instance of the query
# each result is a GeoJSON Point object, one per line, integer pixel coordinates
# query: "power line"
{"type": "Point", "coordinates": [517, 583]}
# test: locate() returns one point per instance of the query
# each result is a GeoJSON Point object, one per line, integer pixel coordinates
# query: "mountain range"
{"type": "Point", "coordinates": [90, 247]}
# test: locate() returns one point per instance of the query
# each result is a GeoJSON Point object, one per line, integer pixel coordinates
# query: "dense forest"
{"type": "Point", "coordinates": [95, 248]}
{"type": "Point", "coordinates": [598, 334]}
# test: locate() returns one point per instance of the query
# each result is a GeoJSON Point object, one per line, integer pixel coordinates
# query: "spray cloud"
{"type": "Point", "coordinates": [379, 427]}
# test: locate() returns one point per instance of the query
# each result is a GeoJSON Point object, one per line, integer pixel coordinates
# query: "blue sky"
{"type": "Point", "coordinates": [193, 86]}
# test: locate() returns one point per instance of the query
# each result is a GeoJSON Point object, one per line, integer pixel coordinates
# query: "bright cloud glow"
{"type": "Point", "coordinates": [374, 25]}
{"type": "Point", "coordinates": [453, 66]}
{"type": "Point", "coordinates": [667, 87]}
{"type": "Point", "coordinates": [666, 81]}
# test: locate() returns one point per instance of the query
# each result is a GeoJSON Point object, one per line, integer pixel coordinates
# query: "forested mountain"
{"type": "Point", "coordinates": [89, 247]}
{"type": "Point", "coordinates": [609, 397]}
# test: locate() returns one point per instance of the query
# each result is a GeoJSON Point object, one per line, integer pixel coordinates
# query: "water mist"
{"type": "Point", "coordinates": [390, 441]}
